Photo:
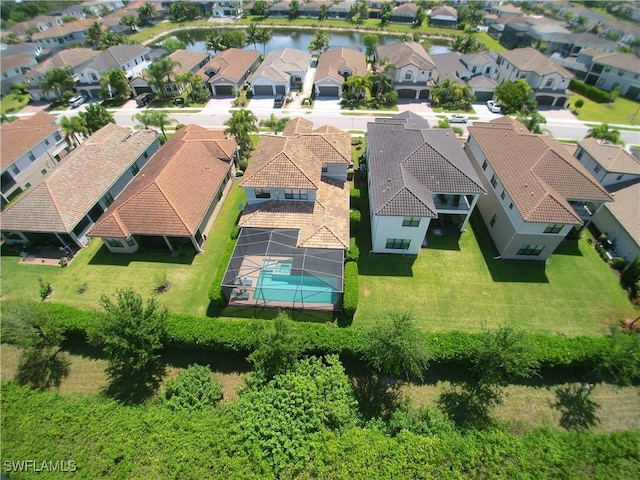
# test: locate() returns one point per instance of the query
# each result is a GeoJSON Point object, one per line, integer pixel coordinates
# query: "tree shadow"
{"type": "Point", "coordinates": [377, 396]}
{"type": "Point", "coordinates": [134, 387]}
{"type": "Point", "coordinates": [42, 368]}
{"type": "Point", "coordinates": [577, 410]}
{"type": "Point", "coordinates": [468, 405]}
{"type": "Point", "coordinates": [104, 257]}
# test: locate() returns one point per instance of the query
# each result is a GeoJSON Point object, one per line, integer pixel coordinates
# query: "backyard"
{"type": "Point", "coordinates": [622, 111]}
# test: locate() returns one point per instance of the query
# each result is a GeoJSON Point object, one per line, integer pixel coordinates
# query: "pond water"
{"type": "Point", "coordinates": [300, 39]}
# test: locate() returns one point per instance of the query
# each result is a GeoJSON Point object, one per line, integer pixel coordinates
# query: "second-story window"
{"type": "Point", "coordinates": [296, 194]}
{"type": "Point", "coordinates": [408, 76]}
{"type": "Point", "coordinates": [262, 193]}
{"type": "Point", "coordinates": [411, 222]}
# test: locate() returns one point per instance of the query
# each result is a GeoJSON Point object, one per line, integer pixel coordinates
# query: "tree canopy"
{"type": "Point", "coordinates": [95, 117]}
{"type": "Point", "coordinates": [516, 96]}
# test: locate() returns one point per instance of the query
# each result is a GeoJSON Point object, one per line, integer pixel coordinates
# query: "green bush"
{"type": "Point", "coordinates": [355, 219]}
{"type": "Point", "coordinates": [591, 92]}
{"type": "Point", "coordinates": [354, 198]}
{"type": "Point", "coordinates": [193, 389]}
{"type": "Point", "coordinates": [179, 126]}
{"type": "Point", "coordinates": [618, 263]}
{"type": "Point", "coordinates": [243, 164]}
{"type": "Point", "coordinates": [579, 103]}
{"type": "Point", "coordinates": [353, 254]}
{"type": "Point", "coordinates": [350, 300]}
{"type": "Point", "coordinates": [350, 174]}
{"type": "Point", "coordinates": [216, 294]}
{"type": "Point", "coordinates": [631, 273]}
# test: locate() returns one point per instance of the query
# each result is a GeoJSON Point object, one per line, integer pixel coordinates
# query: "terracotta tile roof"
{"type": "Point", "coordinates": [626, 207]}
{"type": "Point", "coordinates": [15, 61]}
{"type": "Point", "coordinates": [298, 125]}
{"type": "Point", "coordinates": [174, 190]}
{"type": "Point", "coordinates": [278, 64]}
{"type": "Point", "coordinates": [406, 53]}
{"type": "Point", "coordinates": [409, 163]}
{"type": "Point", "coordinates": [75, 186]}
{"type": "Point", "coordinates": [62, 30]}
{"type": "Point", "coordinates": [70, 58]}
{"type": "Point", "coordinates": [328, 147]}
{"type": "Point", "coordinates": [332, 62]}
{"type": "Point", "coordinates": [187, 59]}
{"type": "Point", "coordinates": [612, 158]}
{"type": "Point", "coordinates": [328, 129]}
{"type": "Point", "coordinates": [20, 136]}
{"type": "Point", "coordinates": [539, 174]}
{"type": "Point", "coordinates": [321, 224]}
{"type": "Point", "coordinates": [530, 60]}
{"type": "Point", "coordinates": [626, 61]}
{"type": "Point", "coordinates": [231, 64]}
{"type": "Point", "coordinates": [281, 162]}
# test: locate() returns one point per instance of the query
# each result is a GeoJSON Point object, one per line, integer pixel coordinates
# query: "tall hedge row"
{"type": "Point", "coordinates": [589, 91]}
{"type": "Point", "coordinates": [350, 299]}
{"type": "Point", "coordinates": [186, 332]}
{"type": "Point", "coordinates": [216, 295]}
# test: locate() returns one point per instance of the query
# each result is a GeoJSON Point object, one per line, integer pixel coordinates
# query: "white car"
{"type": "Point", "coordinates": [457, 118]}
{"type": "Point", "coordinates": [76, 101]}
{"type": "Point", "coordinates": [494, 106]}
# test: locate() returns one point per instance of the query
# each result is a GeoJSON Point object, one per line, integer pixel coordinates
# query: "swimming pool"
{"type": "Point", "coordinates": [295, 288]}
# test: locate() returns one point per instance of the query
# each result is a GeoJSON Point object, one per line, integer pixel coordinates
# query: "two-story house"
{"type": "Point", "coordinates": [538, 194]}
{"type": "Point", "coordinates": [280, 71]}
{"type": "Point", "coordinates": [334, 67]}
{"type": "Point", "coordinates": [411, 69]}
{"type": "Point", "coordinates": [548, 80]}
{"type": "Point", "coordinates": [619, 172]}
{"type": "Point", "coordinates": [475, 69]}
{"type": "Point", "coordinates": [30, 148]}
{"type": "Point", "coordinates": [66, 204]}
{"type": "Point", "coordinates": [295, 228]}
{"type": "Point", "coordinates": [608, 70]}
{"type": "Point", "coordinates": [419, 179]}
{"type": "Point", "coordinates": [61, 36]}
{"type": "Point", "coordinates": [171, 204]}
{"type": "Point", "coordinates": [13, 70]}
{"type": "Point", "coordinates": [226, 8]}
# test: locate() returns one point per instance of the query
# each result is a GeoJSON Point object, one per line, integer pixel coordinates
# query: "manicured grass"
{"type": "Point", "coordinates": [491, 43]}
{"type": "Point", "coordinates": [457, 284]}
{"type": "Point", "coordinates": [104, 272]}
{"type": "Point", "coordinates": [13, 103]}
{"type": "Point", "coordinates": [623, 111]}
{"type": "Point", "coordinates": [156, 30]}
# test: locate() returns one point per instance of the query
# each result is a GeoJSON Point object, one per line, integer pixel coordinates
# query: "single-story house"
{"type": "Point", "coordinates": [171, 204]}
{"type": "Point", "coordinates": [280, 71]}
{"type": "Point", "coordinates": [228, 70]}
{"type": "Point", "coordinates": [66, 204]}
{"type": "Point", "coordinates": [538, 193]}
{"type": "Point", "coordinates": [443, 17]}
{"type": "Point", "coordinates": [419, 179]}
{"type": "Point", "coordinates": [405, 13]}
{"type": "Point", "coordinates": [334, 67]}
{"type": "Point", "coordinates": [280, 9]}
{"type": "Point", "coordinates": [295, 228]}
{"type": "Point", "coordinates": [341, 9]}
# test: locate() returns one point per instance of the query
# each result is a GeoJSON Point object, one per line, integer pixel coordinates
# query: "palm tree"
{"type": "Point", "coordinates": [324, 12]}
{"type": "Point", "coordinates": [146, 12]}
{"type": "Point", "coordinates": [264, 35]}
{"type": "Point", "coordinates": [382, 77]}
{"type": "Point", "coordinates": [94, 35]}
{"type": "Point", "coordinates": [319, 42]}
{"type": "Point", "coordinates": [74, 129]}
{"type": "Point", "coordinates": [540, 45]}
{"type": "Point", "coordinates": [144, 119]}
{"type": "Point", "coordinates": [532, 121]}
{"type": "Point", "coordinates": [275, 124]}
{"type": "Point", "coordinates": [161, 72]}
{"type": "Point", "coordinates": [241, 124]}
{"type": "Point", "coordinates": [58, 79]}
{"type": "Point", "coordinates": [603, 132]}
{"type": "Point", "coordinates": [357, 87]}
{"type": "Point", "coordinates": [252, 35]}
{"type": "Point", "coordinates": [195, 83]}
{"type": "Point", "coordinates": [161, 120]}
{"type": "Point", "coordinates": [215, 42]}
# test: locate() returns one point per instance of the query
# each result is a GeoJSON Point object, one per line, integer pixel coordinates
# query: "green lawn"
{"type": "Point", "coordinates": [623, 111]}
{"type": "Point", "coordinates": [455, 284]}
{"type": "Point", "coordinates": [104, 272]}
{"type": "Point", "coordinates": [13, 103]}
{"type": "Point", "coordinates": [491, 43]}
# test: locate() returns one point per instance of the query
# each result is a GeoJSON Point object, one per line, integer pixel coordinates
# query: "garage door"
{"type": "Point", "coordinates": [483, 96]}
{"type": "Point", "coordinates": [424, 94]}
{"type": "Point", "coordinates": [329, 91]}
{"type": "Point", "coordinates": [545, 100]}
{"type": "Point", "coordinates": [280, 89]}
{"type": "Point", "coordinates": [224, 90]}
{"type": "Point", "coordinates": [406, 93]}
{"type": "Point", "coordinates": [263, 90]}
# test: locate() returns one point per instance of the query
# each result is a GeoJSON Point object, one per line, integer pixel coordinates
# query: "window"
{"type": "Point", "coordinates": [325, 168]}
{"type": "Point", "coordinates": [46, 141]}
{"type": "Point", "coordinates": [108, 199]}
{"type": "Point", "coordinates": [619, 177]}
{"type": "Point", "coordinates": [57, 136]}
{"type": "Point", "coordinates": [487, 71]}
{"type": "Point", "coordinates": [597, 168]}
{"type": "Point", "coordinates": [484, 165]}
{"type": "Point", "coordinates": [262, 193]}
{"type": "Point", "coordinates": [503, 194]}
{"type": "Point", "coordinates": [130, 241]}
{"type": "Point", "coordinates": [295, 194]}
{"type": "Point", "coordinates": [32, 157]}
{"type": "Point", "coordinates": [398, 243]}
{"type": "Point", "coordinates": [607, 69]}
{"type": "Point", "coordinates": [494, 181]}
{"type": "Point", "coordinates": [43, 171]}
{"type": "Point", "coordinates": [411, 222]}
{"type": "Point", "coordinates": [94, 77]}
{"type": "Point", "coordinates": [493, 220]}
{"type": "Point", "coordinates": [579, 157]}
{"type": "Point", "coordinates": [549, 83]}
{"type": "Point", "coordinates": [145, 155]}
{"type": "Point", "coordinates": [408, 75]}
{"type": "Point", "coordinates": [15, 170]}
{"type": "Point", "coordinates": [511, 206]}
{"type": "Point", "coordinates": [620, 72]}
{"type": "Point", "coordinates": [533, 250]}
{"type": "Point", "coordinates": [113, 242]}
{"type": "Point", "coordinates": [27, 185]}
{"type": "Point", "coordinates": [553, 228]}
{"type": "Point", "coordinates": [134, 169]}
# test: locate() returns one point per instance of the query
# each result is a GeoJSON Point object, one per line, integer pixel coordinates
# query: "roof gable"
{"type": "Point", "coordinates": [406, 53]}
{"type": "Point", "coordinates": [19, 136]}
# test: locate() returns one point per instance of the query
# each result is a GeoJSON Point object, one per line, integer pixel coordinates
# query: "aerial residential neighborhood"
{"type": "Point", "coordinates": [320, 239]}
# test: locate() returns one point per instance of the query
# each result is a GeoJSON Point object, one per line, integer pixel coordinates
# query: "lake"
{"type": "Point", "coordinates": [300, 39]}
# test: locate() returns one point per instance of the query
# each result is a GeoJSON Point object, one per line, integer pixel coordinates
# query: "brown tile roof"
{"type": "Point", "coordinates": [626, 61]}
{"type": "Point", "coordinates": [66, 58]}
{"type": "Point", "coordinates": [75, 186]}
{"type": "Point", "coordinates": [612, 158]}
{"type": "Point", "coordinates": [539, 174]}
{"type": "Point", "coordinates": [281, 162]}
{"type": "Point", "coordinates": [174, 190]}
{"type": "Point", "coordinates": [328, 147]}
{"type": "Point", "coordinates": [231, 64]}
{"type": "Point", "coordinates": [15, 61]}
{"type": "Point", "coordinates": [331, 62]}
{"type": "Point", "coordinates": [626, 207]}
{"type": "Point", "coordinates": [278, 64]}
{"type": "Point", "coordinates": [20, 136]}
{"type": "Point", "coordinates": [298, 125]}
{"type": "Point", "coordinates": [531, 60]}
{"type": "Point", "coordinates": [322, 224]}
{"type": "Point", "coordinates": [62, 30]}
{"type": "Point", "coordinates": [187, 59]}
{"type": "Point", "coordinates": [406, 53]}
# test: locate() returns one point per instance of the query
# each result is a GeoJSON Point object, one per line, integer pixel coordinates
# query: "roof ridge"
{"type": "Point", "coordinates": [546, 195]}
{"type": "Point", "coordinates": [54, 203]}
{"type": "Point", "coordinates": [170, 203]}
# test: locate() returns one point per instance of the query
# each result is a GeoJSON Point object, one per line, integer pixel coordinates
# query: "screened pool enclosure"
{"type": "Point", "coordinates": [268, 269]}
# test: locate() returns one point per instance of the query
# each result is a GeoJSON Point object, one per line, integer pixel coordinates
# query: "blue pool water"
{"type": "Point", "coordinates": [295, 288]}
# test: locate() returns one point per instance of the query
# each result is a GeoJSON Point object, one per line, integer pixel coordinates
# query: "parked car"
{"type": "Point", "coordinates": [279, 101]}
{"type": "Point", "coordinates": [494, 106]}
{"type": "Point", "coordinates": [76, 101]}
{"type": "Point", "coordinates": [143, 99]}
{"type": "Point", "coordinates": [458, 118]}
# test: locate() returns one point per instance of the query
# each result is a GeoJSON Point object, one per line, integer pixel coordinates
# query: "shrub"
{"type": "Point", "coordinates": [354, 198]}
{"type": "Point", "coordinates": [631, 273]}
{"type": "Point", "coordinates": [355, 219]}
{"type": "Point", "coordinates": [179, 126]}
{"type": "Point", "coordinates": [591, 92]}
{"type": "Point", "coordinates": [243, 164]}
{"type": "Point", "coordinates": [353, 254]}
{"type": "Point", "coordinates": [193, 389]}
{"type": "Point", "coordinates": [579, 103]}
{"type": "Point", "coordinates": [350, 300]}
{"type": "Point", "coordinates": [618, 263]}
{"type": "Point", "coordinates": [350, 174]}
{"type": "Point", "coordinates": [216, 294]}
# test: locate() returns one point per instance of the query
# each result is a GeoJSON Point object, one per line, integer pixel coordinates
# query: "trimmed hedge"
{"type": "Point", "coordinates": [216, 295]}
{"type": "Point", "coordinates": [589, 91]}
{"type": "Point", "coordinates": [350, 300]}
{"type": "Point", "coordinates": [353, 254]}
{"type": "Point", "coordinates": [450, 349]}
{"type": "Point", "coordinates": [355, 218]}
{"type": "Point", "coordinates": [354, 198]}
